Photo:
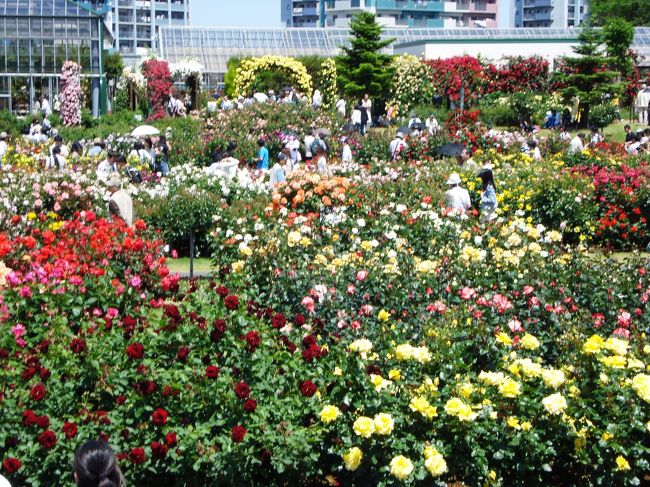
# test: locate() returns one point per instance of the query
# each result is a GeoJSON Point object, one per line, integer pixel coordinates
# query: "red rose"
{"type": "Point", "coordinates": [38, 392]}
{"type": "Point", "coordinates": [171, 440]}
{"type": "Point", "coordinates": [119, 400]}
{"type": "Point", "coordinates": [78, 345]}
{"type": "Point", "coordinates": [29, 418]}
{"type": "Point", "coordinates": [237, 433]}
{"type": "Point", "coordinates": [222, 291]}
{"type": "Point", "coordinates": [159, 449]}
{"type": "Point", "coordinates": [308, 388]}
{"type": "Point", "coordinates": [212, 372]}
{"type": "Point", "coordinates": [250, 406]}
{"type": "Point", "coordinates": [135, 351]}
{"type": "Point", "coordinates": [183, 353]}
{"type": "Point", "coordinates": [137, 455]}
{"type": "Point", "coordinates": [278, 321]}
{"type": "Point", "coordinates": [11, 464]}
{"type": "Point", "coordinates": [69, 430]}
{"type": "Point", "coordinates": [242, 390]}
{"type": "Point", "coordinates": [253, 339]}
{"type": "Point", "coordinates": [232, 302]}
{"type": "Point", "coordinates": [47, 439]}
{"type": "Point", "coordinates": [43, 422]}
{"type": "Point", "coordinates": [159, 417]}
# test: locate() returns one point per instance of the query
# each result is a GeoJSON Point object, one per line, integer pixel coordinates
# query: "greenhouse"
{"type": "Point", "coordinates": [38, 36]}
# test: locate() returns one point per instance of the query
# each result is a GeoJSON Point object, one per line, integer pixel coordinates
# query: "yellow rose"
{"type": "Point", "coordinates": [401, 467]}
{"type": "Point", "coordinates": [554, 404]}
{"type": "Point", "coordinates": [394, 374]}
{"type": "Point", "coordinates": [641, 385]}
{"type": "Point", "coordinates": [422, 406]}
{"type": "Point", "coordinates": [593, 345]}
{"type": "Point", "coordinates": [383, 315]}
{"type": "Point", "coordinates": [238, 266]}
{"type": "Point", "coordinates": [529, 342]}
{"type": "Point", "coordinates": [615, 361]}
{"type": "Point", "coordinates": [553, 378]}
{"type": "Point", "coordinates": [616, 345]}
{"type": "Point", "coordinates": [353, 458]}
{"type": "Point", "coordinates": [361, 346]}
{"type": "Point", "coordinates": [364, 427]}
{"type": "Point", "coordinates": [513, 422]}
{"type": "Point", "coordinates": [526, 426]}
{"type": "Point", "coordinates": [456, 407]}
{"type": "Point", "coordinates": [504, 338]}
{"type": "Point", "coordinates": [510, 388]}
{"type": "Point", "coordinates": [621, 464]}
{"type": "Point", "coordinates": [491, 378]}
{"type": "Point", "coordinates": [384, 424]}
{"type": "Point", "coordinates": [435, 464]}
{"type": "Point", "coordinates": [329, 413]}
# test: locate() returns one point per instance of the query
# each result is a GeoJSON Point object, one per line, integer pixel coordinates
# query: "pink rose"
{"type": "Point", "coordinates": [361, 275]}
{"type": "Point", "coordinates": [467, 293]}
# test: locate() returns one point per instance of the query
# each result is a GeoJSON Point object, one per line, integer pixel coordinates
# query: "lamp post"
{"type": "Point", "coordinates": [100, 12]}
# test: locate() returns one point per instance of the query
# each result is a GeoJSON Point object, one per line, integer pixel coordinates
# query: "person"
{"type": "Point", "coordinates": [634, 145]}
{"type": "Point", "coordinates": [414, 120]}
{"type": "Point", "coordinates": [262, 156]}
{"type": "Point", "coordinates": [4, 148]}
{"type": "Point", "coordinates": [162, 156]}
{"type": "Point", "coordinates": [148, 146]}
{"type": "Point", "coordinates": [107, 166]}
{"type": "Point", "coordinates": [346, 153]}
{"type": "Point", "coordinates": [142, 156]}
{"type": "Point", "coordinates": [309, 140]}
{"type": "Point", "coordinates": [56, 160]}
{"type": "Point", "coordinates": [397, 145]}
{"type": "Point", "coordinates": [277, 175]}
{"type": "Point", "coordinates": [321, 164]}
{"type": "Point", "coordinates": [466, 162]}
{"type": "Point", "coordinates": [95, 465]}
{"type": "Point", "coordinates": [58, 142]}
{"type": "Point", "coordinates": [549, 119]}
{"type": "Point", "coordinates": [318, 142]}
{"type": "Point", "coordinates": [36, 132]}
{"type": "Point", "coordinates": [272, 97]}
{"type": "Point", "coordinates": [127, 170]}
{"type": "Point", "coordinates": [363, 122]}
{"type": "Point", "coordinates": [294, 151]}
{"type": "Point", "coordinates": [629, 135]}
{"type": "Point", "coordinates": [226, 104]}
{"type": "Point", "coordinates": [317, 100]}
{"type": "Point", "coordinates": [120, 204]}
{"type": "Point", "coordinates": [367, 105]}
{"type": "Point", "coordinates": [340, 106]}
{"type": "Point", "coordinates": [432, 124]}
{"type": "Point", "coordinates": [565, 121]}
{"type": "Point", "coordinates": [76, 150]}
{"type": "Point", "coordinates": [642, 101]}
{"type": "Point", "coordinates": [355, 119]}
{"type": "Point", "coordinates": [577, 144]}
{"type": "Point", "coordinates": [596, 137]}
{"type": "Point", "coordinates": [564, 135]}
{"type": "Point", "coordinates": [97, 148]}
{"type": "Point", "coordinates": [46, 126]}
{"type": "Point", "coordinates": [488, 195]}
{"type": "Point", "coordinates": [457, 198]}
{"type": "Point", "coordinates": [534, 150]}
{"type": "Point", "coordinates": [46, 108]}
{"type": "Point", "coordinates": [172, 105]}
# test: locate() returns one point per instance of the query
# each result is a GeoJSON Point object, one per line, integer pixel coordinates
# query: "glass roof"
{"type": "Point", "coordinates": [213, 46]}
{"type": "Point", "coordinates": [48, 8]}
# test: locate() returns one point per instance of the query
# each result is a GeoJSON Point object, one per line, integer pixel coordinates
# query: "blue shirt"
{"type": "Point", "coordinates": [263, 158]}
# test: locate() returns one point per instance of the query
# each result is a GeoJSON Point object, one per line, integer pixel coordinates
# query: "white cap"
{"type": "Point", "coordinates": [454, 178]}
{"type": "Point", "coordinates": [114, 181]}
{"type": "Point", "coordinates": [400, 135]}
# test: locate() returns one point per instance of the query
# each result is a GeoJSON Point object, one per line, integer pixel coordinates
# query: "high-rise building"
{"type": "Point", "coordinates": [542, 13]}
{"type": "Point", "coordinates": [416, 13]}
{"type": "Point", "coordinates": [301, 13]}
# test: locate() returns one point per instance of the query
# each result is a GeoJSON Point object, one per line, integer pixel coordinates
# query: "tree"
{"type": "Point", "coordinates": [634, 11]}
{"type": "Point", "coordinates": [618, 35]}
{"type": "Point", "coordinates": [364, 68]}
{"type": "Point", "coordinates": [587, 76]}
{"type": "Point", "coordinates": [113, 65]}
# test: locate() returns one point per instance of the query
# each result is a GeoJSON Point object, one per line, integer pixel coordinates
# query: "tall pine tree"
{"type": "Point", "coordinates": [363, 68]}
{"type": "Point", "coordinates": [587, 75]}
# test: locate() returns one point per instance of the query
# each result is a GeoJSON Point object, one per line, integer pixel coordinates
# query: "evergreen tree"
{"type": "Point", "coordinates": [587, 75]}
{"type": "Point", "coordinates": [618, 35]}
{"type": "Point", "coordinates": [363, 68]}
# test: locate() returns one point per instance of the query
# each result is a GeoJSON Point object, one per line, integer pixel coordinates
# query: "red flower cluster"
{"type": "Point", "coordinates": [238, 433]}
{"type": "Point", "coordinates": [231, 302]}
{"type": "Point", "coordinates": [159, 417]}
{"type": "Point", "coordinates": [47, 439]}
{"type": "Point", "coordinates": [253, 340]}
{"type": "Point", "coordinates": [242, 390]}
{"type": "Point", "coordinates": [135, 351]}
{"type": "Point", "coordinates": [308, 388]}
{"type": "Point", "coordinates": [11, 465]}
{"type": "Point", "coordinates": [159, 84]}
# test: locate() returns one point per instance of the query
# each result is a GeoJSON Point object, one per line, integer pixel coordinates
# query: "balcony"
{"type": "Point", "coordinates": [415, 5]}
{"type": "Point", "coordinates": [305, 12]}
{"type": "Point", "coordinates": [538, 4]}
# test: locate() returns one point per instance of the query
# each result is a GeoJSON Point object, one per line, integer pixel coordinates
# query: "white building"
{"type": "Point", "coordinates": [560, 14]}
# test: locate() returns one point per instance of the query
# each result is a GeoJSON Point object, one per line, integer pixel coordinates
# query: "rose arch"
{"type": "Point", "coordinates": [249, 69]}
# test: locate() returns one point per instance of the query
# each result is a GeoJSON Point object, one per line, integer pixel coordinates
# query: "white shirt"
{"type": "Point", "coordinates": [125, 205]}
{"type": "Point", "coordinates": [565, 136]}
{"type": "Point", "coordinates": [347, 154]}
{"type": "Point", "coordinates": [537, 155]}
{"type": "Point", "coordinates": [340, 106]}
{"type": "Point", "coordinates": [3, 150]}
{"type": "Point", "coordinates": [104, 169]}
{"type": "Point", "coordinates": [321, 166]}
{"type": "Point", "coordinates": [309, 140]}
{"type": "Point", "coordinates": [397, 146]}
{"type": "Point", "coordinates": [46, 108]}
{"type": "Point", "coordinates": [277, 175]}
{"type": "Point", "coordinates": [356, 117]}
{"type": "Point", "coordinates": [576, 145]}
{"type": "Point", "coordinates": [457, 198]}
{"type": "Point", "coordinates": [432, 124]}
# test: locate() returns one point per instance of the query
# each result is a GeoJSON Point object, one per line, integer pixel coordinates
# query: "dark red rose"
{"type": "Point", "coordinates": [43, 422]}
{"type": "Point", "coordinates": [44, 373]}
{"type": "Point", "coordinates": [159, 417]}
{"type": "Point", "coordinates": [299, 319]}
{"type": "Point", "coordinates": [288, 344]}
{"type": "Point", "coordinates": [171, 440]}
{"type": "Point", "coordinates": [212, 372]}
{"type": "Point", "coordinates": [308, 341]}
{"type": "Point", "coordinates": [12, 465]}
{"type": "Point", "coordinates": [308, 388]}
{"type": "Point", "coordinates": [158, 449]}
{"type": "Point", "coordinates": [172, 311]}
{"type": "Point", "coordinates": [38, 392]}
{"type": "Point", "coordinates": [253, 339]}
{"type": "Point", "coordinates": [119, 400]}
{"type": "Point", "coordinates": [222, 291]}
{"type": "Point", "coordinates": [29, 418]}
{"type": "Point", "coordinates": [250, 405]}
{"type": "Point", "coordinates": [183, 353]}
{"type": "Point", "coordinates": [147, 387]}
{"type": "Point", "coordinates": [69, 430]}
{"type": "Point", "coordinates": [137, 455]}
{"type": "Point", "coordinates": [278, 321]}
{"type": "Point", "coordinates": [4, 353]}
{"type": "Point", "coordinates": [78, 345]}
{"type": "Point", "coordinates": [373, 369]}
{"type": "Point", "coordinates": [242, 390]}
{"type": "Point", "coordinates": [232, 302]}
{"type": "Point", "coordinates": [238, 433]}
{"type": "Point", "coordinates": [135, 351]}
{"type": "Point", "coordinates": [28, 373]}
{"type": "Point", "coordinates": [47, 439]}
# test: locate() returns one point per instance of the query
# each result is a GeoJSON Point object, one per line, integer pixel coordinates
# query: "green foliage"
{"type": "Point", "coordinates": [618, 35]}
{"type": "Point", "coordinates": [13, 125]}
{"type": "Point", "coordinates": [231, 72]}
{"type": "Point", "coordinates": [602, 115]}
{"type": "Point", "coordinates": [363, 68]}
{"type": "Point", "coordinates": [113, 65]}
{"type": "Point", "coordinates": [635, 12]}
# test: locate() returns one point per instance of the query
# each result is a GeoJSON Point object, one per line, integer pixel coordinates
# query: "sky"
{"type": "Point", "coordinates": [237, 13]}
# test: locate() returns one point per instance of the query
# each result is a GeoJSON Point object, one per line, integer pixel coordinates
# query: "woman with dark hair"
{"type": "Point", "coordinates": [162, 156]}
{"type": "Point", "coordinates": [95, 465]}
{"type": "Point", "coordinates": [148, 146]}
{"type": "Point", "coordinates": [76, 150]}
{"type": "Point", "coordinates": [488, 195]}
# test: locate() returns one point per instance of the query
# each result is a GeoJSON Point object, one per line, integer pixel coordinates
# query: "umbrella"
{"type": "Point", "coordinates": [348, 127]}
{"type": "Point", "coordinates": [323, 131]}
{"type": "Point", "coordinates": [418, 126]}
{"type": "Point", "coordinates": [405, 130]}
{"type": "Point", "coordinates": [144, 130]}
{"type": "Point", "coordinates": [261, 97]}
{"type": "Point", "coordinates": [451, 150]}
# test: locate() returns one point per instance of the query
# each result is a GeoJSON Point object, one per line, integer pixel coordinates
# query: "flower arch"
{"type": "Point", "coordinates": [249, 69]}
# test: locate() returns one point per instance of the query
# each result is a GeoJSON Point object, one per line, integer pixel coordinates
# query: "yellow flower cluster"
{"type": "Point", "coordinates": [382, 424]}
{"type": "Point", "coordinates": [353, 458]}
{"type": "Point", "coordinates": [554, 404]}
{"type": "Point", "coordinates": [409, 352]}
{"type": "Point", "coordinates": [456, 407]}
{"type": "Point", "coordinates": [421, 405]}
{"type": "Point", "coordinates": [329, 414]}
{"type": "Point", "coordinates": [434, 462]}
{"type": "Point", "coordinates": [401, 467]}
{"type": "Point", "coordinates": [641, 385]}
{"type": "Point", "coordinates": [247, 72]}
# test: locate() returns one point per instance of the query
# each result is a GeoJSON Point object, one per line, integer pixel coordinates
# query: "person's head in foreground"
{"type": "Point", "coordinates": [95, 465]}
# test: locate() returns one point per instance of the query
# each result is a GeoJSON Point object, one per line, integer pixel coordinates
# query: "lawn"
{"type": "Point", "coordinates": [182, 265]}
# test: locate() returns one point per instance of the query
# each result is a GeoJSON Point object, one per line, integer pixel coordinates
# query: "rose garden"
{"type": "Point", "coordinates": [352, 331]}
